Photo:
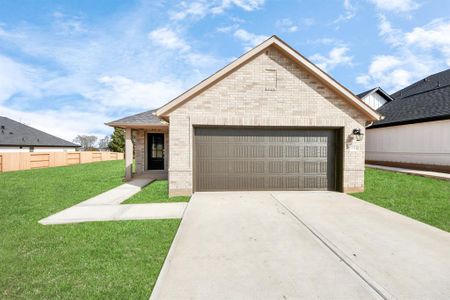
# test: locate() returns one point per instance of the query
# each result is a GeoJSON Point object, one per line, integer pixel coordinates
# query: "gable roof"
{"type": "Point", "coordinates": [290, 52]}
{"type": "Point", "coordinates": [425, 100]}
{"type": "Point", "coordinates": [363, 94]}
{"type": "Point", "coordinates": [13, 133]}
{"type": "Point", "coordinates": [147, 118]}
{"type": "Point", "coordinates": [377, 90]}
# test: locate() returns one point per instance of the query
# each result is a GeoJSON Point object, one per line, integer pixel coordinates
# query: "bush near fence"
{"type": "Point", "coordinates": [15, 161]}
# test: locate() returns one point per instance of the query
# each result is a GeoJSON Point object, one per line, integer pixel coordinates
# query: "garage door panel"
{"type": "Point", "coordinates": [263, 183]}
{"type": "Point", "coordinates": [293, 167]}
{"type": "Point", "coordinates": [264, 159]}
{"type": "Point", "coordinates": [315, 167]}
{"type": "Point", "coordinates": [315, 182]}
{"type": "Point", "coordinates": [245, 150]}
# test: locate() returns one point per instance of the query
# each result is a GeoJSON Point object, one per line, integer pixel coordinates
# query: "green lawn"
{"type": "Point", "coordinates": [118, 260]}
{"type": "Point", "coordinates": [108, 260]}
{"type": "Point", "coordinates": [423, 199]}
{"type": "Point", "coordinates": [157, 191]}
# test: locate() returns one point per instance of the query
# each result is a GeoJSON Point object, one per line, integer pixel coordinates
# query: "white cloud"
{"type": "Point", "coordinates": [286, 25]}
{"type": "Point", "coordinates": [390, 34]}
{"type": "Point", "coordinates": [201, 8]}
{"type": "Point", "coordinates": [378, 67]}
{"type": "Point", "coordinates": [348, 5]}
{"type": "Point", "coordinates": [249, 39]}
{"type": "Point", "coordinates": [201, 60]}
{"type": "Point", "coordinates": [414, 55]}
{"type": "Point", "coordinates": [195, 9]}
{"type": "Point", "coordinates": [349, 12]}
{"type": "Point", "coordinates": [17, 78]}
{"type": "Point", "coordinates": [384, 26]}
{"type": "Point", "coordinates": [247, 5]}
{"type": "Point", "coordinates": [225, 29]}
{"type": "Point", "coordinates": [172, 40]}
{"type": "Point", "coordinates": [119, 90]}
{"type": "Point", "coordinates": [394, 72]}
{"type": "Point", "coordinates": [76, 77]}
{"type": "Point", "coordinates": [396, 5]}
{"type": "Point", "coordinates": [169, 39]}
{"type": "Point", "coordinates": [337, 56]}
{"type": "Point", "coordinates": [433, 35]}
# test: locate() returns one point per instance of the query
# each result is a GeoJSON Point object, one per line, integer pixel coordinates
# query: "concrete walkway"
{"type": "Point", "coordinates": [302, 245]}
{"type": "Point", "coordinates": [119, 194]}
{"type": "Point", "coordinates": [431, 174]}
{"type": "Point", "coordinates": [107, 207]}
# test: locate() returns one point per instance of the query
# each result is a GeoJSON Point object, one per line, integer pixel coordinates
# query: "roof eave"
{"type": "Point", "coordinates": [135, 125]}
{"type": "Point", "coordinates": [34, 145]}
{"type": "Point", "coordinates": [411, 121]}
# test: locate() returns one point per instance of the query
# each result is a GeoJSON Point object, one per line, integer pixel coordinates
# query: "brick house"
{"type": "Point", "coordinates": [270, 120]}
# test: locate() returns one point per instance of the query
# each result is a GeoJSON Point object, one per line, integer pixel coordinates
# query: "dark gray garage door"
{"type": "Point", "coordinates": [249, 159]}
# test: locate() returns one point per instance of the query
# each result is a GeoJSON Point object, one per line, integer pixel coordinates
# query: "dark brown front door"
{"type": "Point", "coordinates": [236, 159]}
{"type": "Point", "coordinates": [155, 151]}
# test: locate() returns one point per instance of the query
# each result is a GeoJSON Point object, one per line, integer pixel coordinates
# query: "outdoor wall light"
{"type": "Point", "coordinates": [358, 134]}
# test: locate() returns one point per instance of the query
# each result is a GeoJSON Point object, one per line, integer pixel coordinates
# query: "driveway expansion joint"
{"type": "Point", "coordinates": [340, 254]}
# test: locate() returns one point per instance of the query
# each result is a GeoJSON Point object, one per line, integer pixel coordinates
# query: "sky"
{"type": "Point", "coordinates": [67, 67]}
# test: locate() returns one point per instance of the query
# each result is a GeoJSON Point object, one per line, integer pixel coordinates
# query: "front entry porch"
{"type": "Point", "coordinates": [149, 147]}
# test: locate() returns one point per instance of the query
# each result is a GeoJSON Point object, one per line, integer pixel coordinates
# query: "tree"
{"type": "Point", "coordinates": [87, 142]}
{"type": "Point", "coordinates": [117, 142]}
{"type": "Point", "coordinates": [104, 143]}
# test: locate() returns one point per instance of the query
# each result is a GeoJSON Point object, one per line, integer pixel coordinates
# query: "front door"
{"type": "Point", "coordinates": [155, 151]}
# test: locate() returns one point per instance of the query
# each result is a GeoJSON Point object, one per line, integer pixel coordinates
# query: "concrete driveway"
{"type": "Point", "coordinates": [291, 245]}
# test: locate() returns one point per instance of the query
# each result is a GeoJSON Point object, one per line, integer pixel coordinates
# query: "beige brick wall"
{"type": "Point", "coordinates": [243, 99]}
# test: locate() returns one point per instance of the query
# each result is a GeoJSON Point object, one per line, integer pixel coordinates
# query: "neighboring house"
{"type": "Point", "coordinates": [18, 137]}
{"type": "Point", "coordinates": [375, 97]}
{"type": "Point", "coordinates": [415, 131]}
{"type": "Point", "coordinates": [270, 120]}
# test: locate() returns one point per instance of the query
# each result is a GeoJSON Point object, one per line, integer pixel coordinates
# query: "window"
{"type": "Point", "coordinates": [157, 146]}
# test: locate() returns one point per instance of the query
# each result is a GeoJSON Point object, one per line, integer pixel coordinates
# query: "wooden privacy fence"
{"type": "Point", "coordinates": [14, 161]}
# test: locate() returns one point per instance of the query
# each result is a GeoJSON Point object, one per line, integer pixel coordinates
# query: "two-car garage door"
{"type": "Point", "coordinates": [251, 159]}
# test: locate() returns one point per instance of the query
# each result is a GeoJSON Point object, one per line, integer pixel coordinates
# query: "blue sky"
{"type": "Point", "coordinates": [67, 67]}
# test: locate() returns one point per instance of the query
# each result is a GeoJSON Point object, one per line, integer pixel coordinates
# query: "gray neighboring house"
{"type": "Point", "coordinates": [270, 120]}
{"type": "Point", "coordinates": [18, 137]}
{"type": "Point", "coordinates": [415, 131]}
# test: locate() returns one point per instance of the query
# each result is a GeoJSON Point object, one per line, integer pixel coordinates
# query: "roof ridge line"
{"type": "Point", "coordinates": [423, 92]}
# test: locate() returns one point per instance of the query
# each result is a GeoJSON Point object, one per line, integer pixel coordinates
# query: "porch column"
{"type": "Point", "coordinates": [128, 154]}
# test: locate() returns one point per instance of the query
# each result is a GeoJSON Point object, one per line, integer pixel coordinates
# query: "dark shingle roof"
{"type": "Point", "coordinates": [432, 82]}
{"type": "Point", "coordinates": [145, 118]}
{"type": "Point", "coordinates": [425, 100]}
{"type": "Point", "coordinates": [13, 133]}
